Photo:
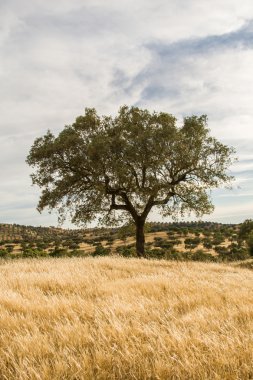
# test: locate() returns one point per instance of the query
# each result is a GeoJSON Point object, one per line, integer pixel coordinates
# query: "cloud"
{"type": "Point", "coordinates": [241, 38]}
{"type": "Point", "coordinates": [201, 68]}
{"type": "Point", "coordinates": [58, 57]}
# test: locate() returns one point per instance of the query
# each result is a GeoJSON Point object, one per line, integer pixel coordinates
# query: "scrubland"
{"type": "Point", "coordinates": [116, 318]}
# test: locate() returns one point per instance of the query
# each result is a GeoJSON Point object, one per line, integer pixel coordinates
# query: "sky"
{"type": "Point", "coordinates": [183, 57]}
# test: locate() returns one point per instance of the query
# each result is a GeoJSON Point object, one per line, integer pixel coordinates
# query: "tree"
{"type": "Point", "coordinates": [112, 168]}
{"type": "Point", "coordinates": [245, 229]}
{"type": "Point", "coordinates": [246, 234]}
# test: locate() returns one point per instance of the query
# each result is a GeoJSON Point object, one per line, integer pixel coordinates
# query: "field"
{"type": "Point", "coordinates": [115, 318]}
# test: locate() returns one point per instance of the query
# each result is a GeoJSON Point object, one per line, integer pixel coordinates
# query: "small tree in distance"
{"type": "Point", "coordinates": [115, 168]}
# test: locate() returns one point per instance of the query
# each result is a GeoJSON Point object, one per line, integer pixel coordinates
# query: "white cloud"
{"type": "Point", "coordinates": [59, 57]}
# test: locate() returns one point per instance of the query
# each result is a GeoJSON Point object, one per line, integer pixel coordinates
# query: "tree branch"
{"type": "Point", "coordinates": [165, 200]}
{"type": "Point", "coordinates": [131, 208]}
{"type": "Point", "coordinates": [114, 206]}
{"type": "Point", "coordinates": [134, 174]}
{"type": "Point", "coordinates": [120, 192]}
{"type": "Point", "coordinates": [148, 207]}
{"type": "Point", "coordinates": [143, 176]}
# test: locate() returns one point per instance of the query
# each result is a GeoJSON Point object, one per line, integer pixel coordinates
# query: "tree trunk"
{"type": "Point", "coordinates": [140, 238]}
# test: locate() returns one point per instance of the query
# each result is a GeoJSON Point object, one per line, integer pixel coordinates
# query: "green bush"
{"type": "Point", "coordinates": [192, 242]}
{"type": "Point", "coordinates": [101, 251]}
{"type": "Point", "coordinates": [207, 243]}
{"type": "Point", "coordinates": [59, 252]}
{"type": "Point", "coordinates": [217, 241]}
{"type": "Point", "coordinates": [221, 250]}
{"type": "Point", "coordinates": [162, 243]}
{"type": "Point", "coordinates": [249, 242]}
{"type": "Point", "coordinates": [126, 250]}
{"type": "Point", "coordinates": [78, 253]}
{"type": "Point", "coordinates": [155, 253]}
{"type": "Point", "coordinates": [9, 248]}
{"type": "Point", "coordinates": [234, 254]}
{"type": "Point", "coordinates": [73, 245]}
{"type": "Point", "coordinates": [195, 241]}
{"type": "Point", "coordinates": [29, 252]}
{"type": "Point", "coordinates": [200, 255]}
{"type": "Point", "coordinates": [3, 253]}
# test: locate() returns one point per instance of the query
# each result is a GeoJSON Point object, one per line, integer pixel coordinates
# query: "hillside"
{"type": "Point", "coordinates": [115, 318]}
{"type": "Point", "coordinates": [18, 233]}
{"type": "Point", "coordinates": [163, 240]}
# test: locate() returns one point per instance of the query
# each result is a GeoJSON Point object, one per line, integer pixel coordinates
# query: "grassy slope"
{"type": "Point", "coordinates": [113, 318]}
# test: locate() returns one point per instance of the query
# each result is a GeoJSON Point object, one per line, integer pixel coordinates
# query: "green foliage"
{"type": "Point", "coordinates": [218, 239]}
{"type": "Point", "coordinates": [3, 253]}
{"type": "Point", "coordinates": [192, 242]}
{"type": "Point", "coordinates": [9, 248]}
{"type": "Point", "coordinates": [245, 229]}
{"type": "Point", "coordinates": [221, 250]}
{"type": "Point", "coordinates": [249, 242]}
{"type": "Point", "coordinates": [156, 253]}
{"type": "Point", "coordinates": [246, 234]}
{"type": "Point", "coordinates": [126, 250]}
{"type": "Point", "coordinates": [164, 243]}
{"type": "Point", "coordinates": [59, 252]}
{"type": "Point", "coordinates": [233, 252]}
{"type": "Point", "coordinates": [200, 255]}
{"type": "Point", "coordinates": [101, 251]}
{"type": "Point", "coordinates": [126, 230]}
{"type": "Point", "coordinates": [78, 253]}
{"type": "Point", "coordinates": [72, 245]}
{"type": "Point", "coordinates": [207, 243]}
{"type": "Point", "coordinates": [30, 252]}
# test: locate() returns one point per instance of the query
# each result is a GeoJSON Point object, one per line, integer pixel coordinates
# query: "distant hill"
{"type": "Point", "coordinates": [200, 241]}
{"type": "Point", "coordinates": [18, 233]}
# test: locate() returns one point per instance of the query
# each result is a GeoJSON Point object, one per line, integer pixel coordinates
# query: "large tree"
{"type": "Point", "coordinates": [112, 168]}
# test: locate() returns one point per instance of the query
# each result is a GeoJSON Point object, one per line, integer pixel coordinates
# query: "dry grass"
{"type": "Point", "coordinates": [113, 318]}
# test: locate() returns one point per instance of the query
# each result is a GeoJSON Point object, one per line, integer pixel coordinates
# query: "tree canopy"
{"type": "Point", "coordinates": [111, 168]}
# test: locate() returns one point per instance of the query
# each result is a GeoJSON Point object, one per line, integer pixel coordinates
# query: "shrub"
{"type": "Point", "coordinates": [126, 250]}
{"type": "Point", "coordinates": [73, 245]}
{"type": "Point", "coordinates": [234, 253]}
{"type": "Point", "coordinates": [9, 248]}
{"type": "Point", "coordinates": [200, 255]}
{"type": "Point", "coordinates": [163, 243]}
{"type": "Point", "coordinates": [78, 253]}
{"type": "Point", "coordinates": [218, 239]}
{"type": "Point", "coordinates": [158, 238]}
{"type": "Point", "coordinates": [155, 253]}
{"type": "Point", "coordinates": [101, 251]}
{"type": "Point", "coordinates": [3, 253]}
{"type": "Point", "coordinates": [175, 255]}
{"type": "Point", "coordinates": [221, 249]}
{"type": "Point", "coordinates": [207, 243]}
{"type": "Point", "coordinates": [59, 252]}
{"type": "Point", "coordinates": [249, 242]}
{"type": "Point", "coordinates": [33, 253]}
{"type": "Point", "coordinates": [192, 241]}
{"type": "Point", "coordinates": [42, 245]}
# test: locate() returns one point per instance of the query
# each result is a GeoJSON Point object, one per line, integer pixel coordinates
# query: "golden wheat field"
{"type": "Point", "coordinates": [115, 318]}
